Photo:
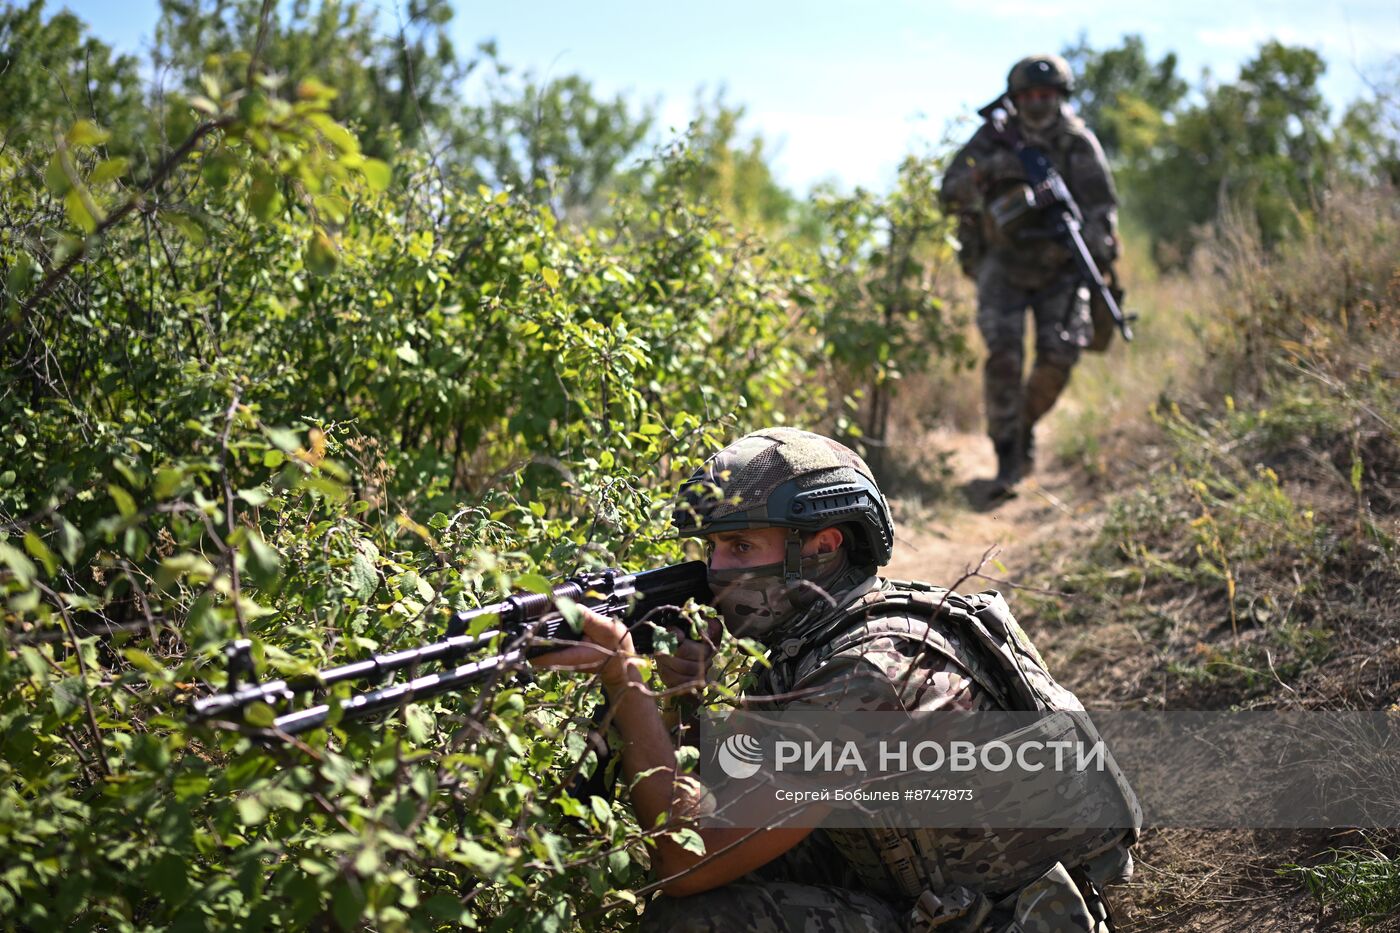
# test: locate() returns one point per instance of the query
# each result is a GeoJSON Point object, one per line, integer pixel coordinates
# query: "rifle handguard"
{"type": "Point", "coordinates": [525, 624]}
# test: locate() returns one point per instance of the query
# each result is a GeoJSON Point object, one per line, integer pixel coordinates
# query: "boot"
{"type": "Point", "coordinates": [1009, 463]}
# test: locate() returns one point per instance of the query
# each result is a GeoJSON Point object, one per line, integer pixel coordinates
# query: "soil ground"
{"type": "Point", "coordinates": [1186, 880]}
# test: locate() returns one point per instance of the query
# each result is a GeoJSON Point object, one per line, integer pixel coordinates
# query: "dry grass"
{"type": "Point", "coordinates": [1251, 552]}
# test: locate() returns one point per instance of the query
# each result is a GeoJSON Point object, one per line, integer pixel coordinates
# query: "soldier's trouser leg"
{"type": "Point", "coordinates": [1062, 329]}
{"type": "Point", "coordinates": [1001, 318]}
{"type": "Point", "coordinates": [771, 907]}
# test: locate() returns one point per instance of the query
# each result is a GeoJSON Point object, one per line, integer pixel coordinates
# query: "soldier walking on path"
{"type": "Point", "coordinates": [1011, 248]}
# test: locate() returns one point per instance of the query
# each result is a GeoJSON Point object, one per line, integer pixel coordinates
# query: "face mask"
{"type": "Point", "coordinates": [756, 601]}
{"type": "Point", "coordinates": [1040, 112]}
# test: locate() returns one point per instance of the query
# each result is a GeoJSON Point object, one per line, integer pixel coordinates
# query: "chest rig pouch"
{"type": "Point", "coordinates": [980, 870]}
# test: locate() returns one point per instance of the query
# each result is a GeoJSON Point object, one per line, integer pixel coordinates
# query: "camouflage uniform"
{"type": "Point", "coordinates": [883, 645]}
{"type": "Point", "coordinates": [1027, 266]}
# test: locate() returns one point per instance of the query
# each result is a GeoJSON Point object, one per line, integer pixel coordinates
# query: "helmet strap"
{"type": "Point", "coordinates": [792, 557]}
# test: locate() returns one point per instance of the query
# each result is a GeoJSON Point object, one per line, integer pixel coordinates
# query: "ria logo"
{"type": "Point", "coordinates": [740, 756]}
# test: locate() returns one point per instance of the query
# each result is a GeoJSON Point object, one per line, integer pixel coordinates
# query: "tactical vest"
{"type": "Point", "coordinates": [979, 634]}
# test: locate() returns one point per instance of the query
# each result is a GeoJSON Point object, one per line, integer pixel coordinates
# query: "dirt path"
{"type": "Point", "coordinates": [942, 545]}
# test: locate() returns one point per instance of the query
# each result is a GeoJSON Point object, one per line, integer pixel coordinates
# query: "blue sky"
{"type": "Point", "coordinates": [845, 89]}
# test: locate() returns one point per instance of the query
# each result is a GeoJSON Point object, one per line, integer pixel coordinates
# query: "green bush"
{"type": "Point", "coordinates": [278, 390]}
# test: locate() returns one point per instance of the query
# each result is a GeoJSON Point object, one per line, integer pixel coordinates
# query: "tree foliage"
{"type": "Point", "coordinates": [1263, 148]}
{"type": "Point", "coordinates": [1122, 94]}
{"type": "Point", "coordinates": [394, 85]}
{"type": "Point", "coordinates": [50, 70]}
{"type": "Point", "coordinates": [556, 141]}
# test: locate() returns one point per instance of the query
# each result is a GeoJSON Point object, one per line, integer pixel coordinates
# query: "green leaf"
{"type": "Point", "coordinates": [421, 723]}
{"type": "Point", "coordinates": [601, 810]}
{"type": "Point", "coordinates": [406, 353]}
{"type": "Point", "coordinates": [260, 715]}
{"type": "Point", "coordinates": [33, 660]}
{"type": "Point", "coordinates": [264, 197]}
{"type": "Point", "coordinates": [76, 209]}
{"type": "Point", "coordinates": [125, 504]}
{"type": "Point", "coordinates": [316, 90]}
{"type": "Point", "coordinates": [251, 811]}
{"type": "Point", "coordinates": [377, 174]}
{"type": "Point", "coordinates": [40, 551]}
{"type": "Point", "coordinates": [348, 904]}
{"type": "Point", "coordinates": [551, 278]}
{"type": "Point", "coordinates": [142, 661]}
{"type": "Point", "coordinates": [66, 696]}
{"type": "Point", "coordinates": [56, 176]}
{"type": "Point", "coordinates": [264, 561]}
{"type": "Point", "coordinates": [108, 170]}
{"type": "Point", "coordinates": [364, 577]}
{"type": "Point", "coordinates": [321, 255]}
{"type": "Point", "coordinates": [69, 539]}
{"type": "Point", "coordinates": [25, 602]}
{"type": "Point", "coordinates": [168, 482]}
{"type": "Point", "coordinates": [338, 136]}
{"type": "Point", "coordinates": [22, 567]}
{"type": "Point", "coordinates": [443, 907]}
{"type": "Point", "coordinates": [255, 496]}
{"type": "Point", "coordinates": [18, 280]}
{"type": "Point", "coordinates": [189, 786]}
{"type": "Point", "coordinates": [689, 840]}
{"type": "Point", "coordinates": [479, 857]}
{"type": "Point", "coordinates": [367, 860]}
{"type": "Point", "coordinates": [534, 583]}
{"type": "Point", "coordinates": [218, 168]}
{"type": "Point", "coordinates": [87, 133]}
{"type": "Point", "coordinates": [284, 439]}
{"type": "Point", "coordinates": [187, 226]}
{"type": "Point", "coordinates": [135, 542]}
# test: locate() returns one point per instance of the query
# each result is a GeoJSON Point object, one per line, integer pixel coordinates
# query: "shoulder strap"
{"type": "Point", "coordinates": [907, 611]}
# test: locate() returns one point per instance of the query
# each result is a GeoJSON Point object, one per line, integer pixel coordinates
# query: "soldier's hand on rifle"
{"type": "Point", "coordinates": [605, 649]}
{"type": "Point", "coordinates": [688, 667]}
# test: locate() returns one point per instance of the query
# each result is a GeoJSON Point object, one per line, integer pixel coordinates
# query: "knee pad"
{"type": "Point", "coordinates": [1005, 365]}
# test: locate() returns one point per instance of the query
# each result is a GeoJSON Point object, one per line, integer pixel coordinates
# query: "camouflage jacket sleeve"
{"type": "Point", "coordinates": [1091, 182]}
{"type": "Point", "coordinates": [964, 183]}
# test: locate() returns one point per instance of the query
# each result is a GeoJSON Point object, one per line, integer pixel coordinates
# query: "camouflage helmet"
{"type": "Point", "coordinates": [786, 478]}
{"type": "Point", "coordinates": [1040, 71]}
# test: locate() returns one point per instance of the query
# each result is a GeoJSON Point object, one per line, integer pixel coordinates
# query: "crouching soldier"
{"type": "Point", "coordinates": [796, 529]}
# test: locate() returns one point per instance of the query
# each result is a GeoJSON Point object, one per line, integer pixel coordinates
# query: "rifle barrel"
{"type": "Point", "coordinates": [527, 621]}
{"type": "Point", "coordinates": [1090, 270]}
{"type": "Point", "coordinates": [363, 705]}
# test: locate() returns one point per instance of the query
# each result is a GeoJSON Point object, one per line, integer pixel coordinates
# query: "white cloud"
{"type": "Point", "coordinates": [1340, 39]}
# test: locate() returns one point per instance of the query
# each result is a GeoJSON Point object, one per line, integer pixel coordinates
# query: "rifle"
{"type": "Point", "coordinates": [1048, 191]}
{"type": "Point", "coordinates": [525, 625]}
